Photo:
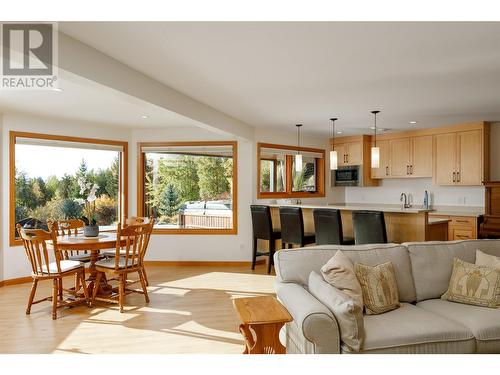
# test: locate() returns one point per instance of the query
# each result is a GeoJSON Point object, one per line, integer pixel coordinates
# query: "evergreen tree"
{"type": "Point", "coordinates": [213, 177]}
{"type": "Point", "coordinates": [170, 202]}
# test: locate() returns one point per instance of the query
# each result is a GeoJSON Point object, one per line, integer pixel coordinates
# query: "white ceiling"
{"type": "Point", "coordinates": [85, 100]}
{"type": "Point", "coordinates": [276, 74]}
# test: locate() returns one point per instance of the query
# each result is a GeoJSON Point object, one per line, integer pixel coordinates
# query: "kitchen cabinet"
{"type": "Point", "coordinates": [460, 158]}
{"type": "Point", "coordinates": [383, 170]}
{"type": "Point", "coordinates": [400, 157]}
{"type": "Point", "coordinates": [349, 153]}
{"type": "Point", "coordinates": [421, 156]}
{"type": "Point", "coordinates": [460, 227]}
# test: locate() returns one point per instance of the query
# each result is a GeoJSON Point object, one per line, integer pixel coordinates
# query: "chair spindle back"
{"type": "Point", "coordinates": [37, 251]}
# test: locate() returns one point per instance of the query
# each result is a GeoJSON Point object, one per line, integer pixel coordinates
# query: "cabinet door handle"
{"type": "Point", "coordinates": [407, 169]}
{"type": "Point", "coordinates": [387, 170]}
{"type": "Point", "coordinates": [411, 169]}
{"type": "Point", "coordinates": [454, 177]}
{"type": "Point", "coordinates": [347, 158]}
{"type": "Point", "coordinates": [458, 176]}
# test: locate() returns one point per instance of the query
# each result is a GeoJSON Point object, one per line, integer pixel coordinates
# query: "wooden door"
{"type": "Point", "coordinates": [421, 157]}
{"type": "Point", "coordinates": [341, 154]}
{"type": "Point", "coordinates": [445, 149]}
{"type": "Point", "coordinates": [355, 153]}
{"type": "Point", "coordinates": [400, 157]}
{"type": "Point", "coordinates": [384, 169]}
{"type": "Point", "coordinates": [469, 160]}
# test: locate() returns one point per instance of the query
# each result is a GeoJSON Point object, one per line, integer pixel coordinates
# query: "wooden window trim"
{"type": "Point", "coordinates": [320, 175]}
{"type": "Point", "coordinates": [140, 186]}
{"type": "Point", "coordinates": [123, 182]}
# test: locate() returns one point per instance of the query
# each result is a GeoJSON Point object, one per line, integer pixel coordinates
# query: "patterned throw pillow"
{"type": "Point", "coordinates": [473, 285]}
{"type": "Point", "coordinates": [378, 284]}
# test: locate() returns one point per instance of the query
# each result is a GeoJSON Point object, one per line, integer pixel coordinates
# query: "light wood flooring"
{"type": "Point", "coordinates": [190, 311]}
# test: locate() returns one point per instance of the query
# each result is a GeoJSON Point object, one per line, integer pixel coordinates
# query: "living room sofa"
{"type": "Point", "coordinates": [423, 324]}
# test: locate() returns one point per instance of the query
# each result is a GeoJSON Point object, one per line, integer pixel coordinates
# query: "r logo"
{"type": "Point", "coordinates": [36, 44]}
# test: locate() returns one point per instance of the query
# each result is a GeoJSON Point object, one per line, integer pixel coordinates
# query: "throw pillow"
{"type": "Point", "coordinates": [473, 285]}
{"type": "Point", "coordinates": [380, 290]}
{"type": "Point", "coordinates": [348, 314]}
{"type": "Point", "coordinates": [339, 272]}
{"type": "Point", "coordinates": [483, 259]}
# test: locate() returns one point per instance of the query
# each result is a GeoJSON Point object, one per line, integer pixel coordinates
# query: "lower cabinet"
{"type": "Point", "coordinates": [461, 227]}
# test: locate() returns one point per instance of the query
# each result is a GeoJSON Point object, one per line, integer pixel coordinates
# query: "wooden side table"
{"type": "Point", "coordinates": [264, 316]}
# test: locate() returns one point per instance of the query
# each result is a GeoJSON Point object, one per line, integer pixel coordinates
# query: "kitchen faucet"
{"type": "Point", "coordinates": [404, 198]}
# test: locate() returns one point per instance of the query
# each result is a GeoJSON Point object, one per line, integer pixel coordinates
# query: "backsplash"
{"type": "Point", "coordinates": [389, 192]}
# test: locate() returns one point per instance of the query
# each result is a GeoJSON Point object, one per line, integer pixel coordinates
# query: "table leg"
{"type": "Point", "coordinates": [104, 288]}
{"type": "Point", "coordinates": [266, 338]}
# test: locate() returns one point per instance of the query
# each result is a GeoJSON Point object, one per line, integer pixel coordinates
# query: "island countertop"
{"type": "Point", "coordinates": [356, 206]}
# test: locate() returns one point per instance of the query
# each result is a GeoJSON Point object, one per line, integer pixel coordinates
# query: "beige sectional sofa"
{"type": "Point", "coordinates": [423, 324]}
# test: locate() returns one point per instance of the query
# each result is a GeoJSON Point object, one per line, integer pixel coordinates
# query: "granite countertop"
{"type": "Point", "coordinates": [435, 221]}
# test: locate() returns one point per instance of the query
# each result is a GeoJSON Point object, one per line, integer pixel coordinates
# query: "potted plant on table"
{"type": "Point", "coordinates": [88, 189]}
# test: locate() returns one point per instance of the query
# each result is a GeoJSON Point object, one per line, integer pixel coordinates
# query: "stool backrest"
{"type": "Point", "coordinates": [369, 227]}
{"type": "Point", "coordinates": [327, 226]}
{"type": "Point", "coordinates": [292, 225]}
{"type": "Point", "coordinates": [261, 222]}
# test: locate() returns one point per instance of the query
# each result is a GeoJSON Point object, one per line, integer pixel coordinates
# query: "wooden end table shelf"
{"type": "Point", "coordinates": [264, 316]}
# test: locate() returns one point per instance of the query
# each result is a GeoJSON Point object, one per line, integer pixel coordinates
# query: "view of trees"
{"type": "Point", "coordinates": [54, 198]}
{"type": "Point", "coordinates": [172, 182]}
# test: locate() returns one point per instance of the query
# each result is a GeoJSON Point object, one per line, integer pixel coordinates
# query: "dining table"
{"type": "Point", "coordinates": [94, 245]}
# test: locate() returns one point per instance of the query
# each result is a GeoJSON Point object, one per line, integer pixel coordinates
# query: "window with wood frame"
{"type": "Point", "coordinates": [279, 177]}
{"type": "Point", "coordinates": [46, 173]}
{"type": "Point", "coordinates": [189, 187]}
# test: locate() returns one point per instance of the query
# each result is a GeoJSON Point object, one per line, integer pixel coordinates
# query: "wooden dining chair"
{"type": "Point", "coordinates": [46, 264]}
{"type": "Point", "coordinates": [134, 220]}
{"type": "Point", "coordinates": [131, 246]}
{"type": "Point", "coordinates": [70, 228]}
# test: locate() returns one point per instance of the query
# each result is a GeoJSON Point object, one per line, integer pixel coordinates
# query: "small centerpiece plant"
{"type": "Point", "coordinates": [89, 190]}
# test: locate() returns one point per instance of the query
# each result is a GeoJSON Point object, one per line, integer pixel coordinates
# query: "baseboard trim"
{"type": "Point", "coordinates": [19, 280]}
{"type": "Point", "coordinates": [191, 263]}
{"type": "Point", "coordinates": [28, 279]}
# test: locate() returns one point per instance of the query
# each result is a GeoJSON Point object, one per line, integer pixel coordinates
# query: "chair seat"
{"type": "Point", "coordinates": [112, 253]}
{"type": "Point", "coordinates": [276, 235]}
{"type": "Point", "coordinates": [110, 263]}
{"type": "Point", "coordinates": [348, 241]}
{"type": "Point", "coordinates": [80, 257]}
{"type": "Point", "coordinates": [66, 265]}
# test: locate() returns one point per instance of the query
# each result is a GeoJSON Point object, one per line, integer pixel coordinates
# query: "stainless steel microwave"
{"type": "Point", "coordinates": [348, 176]}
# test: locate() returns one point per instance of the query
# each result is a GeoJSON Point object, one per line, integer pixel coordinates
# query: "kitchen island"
{"type": "Point", "coordinates": [402, 225]}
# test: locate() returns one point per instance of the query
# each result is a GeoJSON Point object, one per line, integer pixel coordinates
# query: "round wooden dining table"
{"type": "Point", "coordinates": [105, 240]}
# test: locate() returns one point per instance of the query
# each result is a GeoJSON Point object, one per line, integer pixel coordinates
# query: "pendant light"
{"type": "Point", "coordinates": [333, 153]}
{"type": "Point", "coordinates": [375, 150]}
{"type": "Point", "coordinates": [298, 157]}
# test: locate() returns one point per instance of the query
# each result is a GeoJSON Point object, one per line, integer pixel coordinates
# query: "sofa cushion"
{"type": "Point", "coordinates": [483, 259]}
{"type": "Point", "coordinates": [474, 285]}
{"type": "Point", "coordinates": [483, 322]}
{"type": "Point", "coordinates": [432, 262]}
{"type": "Point", "coordinates": [380, 291]}
{"type": "Point", "coordinates": [339, 272]}
{"type": "Point", "coordinates": [411, 329]}
{"type": "Point", "coordinates": [349, 314]}
{"type": "Point", "coordinates": [295, 265]}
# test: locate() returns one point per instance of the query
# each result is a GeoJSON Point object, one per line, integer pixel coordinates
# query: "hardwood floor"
{"type": "Point", "coordinates": [190, 311]}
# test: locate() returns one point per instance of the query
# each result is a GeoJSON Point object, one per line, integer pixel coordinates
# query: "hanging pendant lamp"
{"type": "Point", "coordinates": [375, 154]}
{"type": "Point", "coordinates": [333, 153]}
{"type": "Point", "coordinates": [298, 157]}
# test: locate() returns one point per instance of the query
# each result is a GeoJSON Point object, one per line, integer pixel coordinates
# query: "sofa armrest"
{"type": "Point", "coordinates": [314, 320]}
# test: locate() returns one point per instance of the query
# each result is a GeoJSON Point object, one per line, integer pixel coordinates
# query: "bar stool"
{"type": "Point", "coordinates": [292, 228]}
{"type": "Point", "coordinates": [369, 227]}
{"type": "Point", "coordinates": [328, 227]}
{"type": "Point", "coordinates": [263, 229]}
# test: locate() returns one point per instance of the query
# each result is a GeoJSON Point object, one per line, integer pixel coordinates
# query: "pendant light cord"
{"type": "Point", "coordinates": [375, 129]}
{"type": "Point", "coordinates": [298, 136]}
{"type": "Point", "coordinates": [333, 132]}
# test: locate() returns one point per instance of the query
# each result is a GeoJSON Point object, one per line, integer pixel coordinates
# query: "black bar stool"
{"type": "Point", "coordinates": [369, 227]}
{"type": "Point", "coordinates": [263, 229]}
{"type": "Point", "coordinates": [328, 227]}
{"type": "Point", "coordinates": [292, 228]}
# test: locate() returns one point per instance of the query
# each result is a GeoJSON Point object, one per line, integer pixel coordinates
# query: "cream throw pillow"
{"type": "Point", "coordinates": [483, 259]}
{"type": "Point", "coordinates": [339, 272]}
{"type": "Point", "coordinates": [348, 314]}
{"type": "Point", "coordinates": [473, 285]}
{"type": "Point", "coordinates": [380, 290]}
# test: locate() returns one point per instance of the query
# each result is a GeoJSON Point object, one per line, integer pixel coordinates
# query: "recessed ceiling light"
{"type": "Point", "coordinates": [413, 122]}
{"type": "Point", "coordinates": [339, 131]}
{"type": "Point", "coordinates": [144, 116]}
{"type": "Point", "coordinates": [58, 89]}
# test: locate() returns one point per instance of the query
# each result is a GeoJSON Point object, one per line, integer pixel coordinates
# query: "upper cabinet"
{"type": "Point", "coordinates": [451, 155]}
{"type": "Point", "coordinates": [462, 157]}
